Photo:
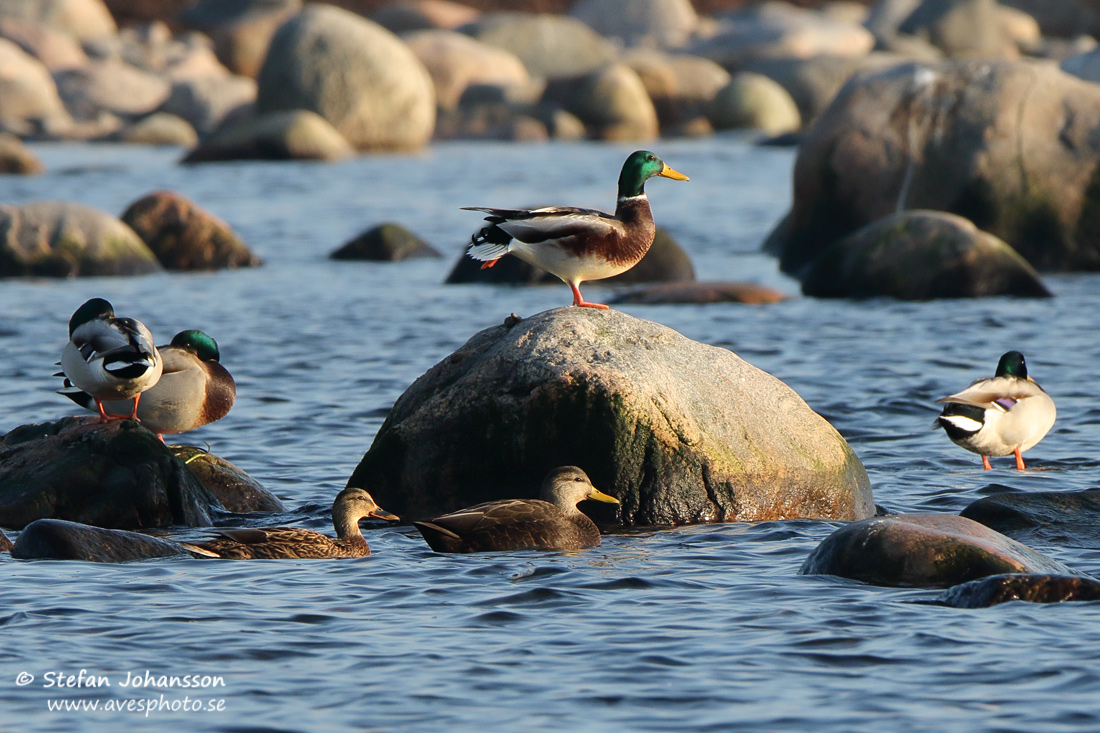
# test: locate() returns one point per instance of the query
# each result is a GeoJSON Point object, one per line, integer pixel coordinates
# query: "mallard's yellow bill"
{"type": "Point", "coordinates": [674, 175]}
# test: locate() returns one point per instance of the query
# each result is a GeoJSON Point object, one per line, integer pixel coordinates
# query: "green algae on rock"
{"type": "Point", "coordinates": [678, 431]}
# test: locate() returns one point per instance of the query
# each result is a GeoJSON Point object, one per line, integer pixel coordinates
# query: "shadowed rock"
{"type": "Point", "coordinates": [666, 261]}
{"type": "Point", "coordinates": [184, 236]}
{"type": "Point", "coordinates": [56, 539]}
{"type": "Point", "coordinates": [113, 475]}
{"type": "Point", "coordinates": [295, 135]}
{"type": "Point", "coordinates": [5, 543]}
{"type": "Point", "coordinates": [236, 490]}
{"type": "Point", "coordinates": [701, 292]}
{"type": "Point", "coordinates": [15, 158]}
{"type": "Point", "coordinates": [1062, 517]}
{"type": "Point", "coordinates": [923, 550]}
{"type": "Point", "coordinates": [66, 239]}
{"type": "Point", "coordinates": [921, 255]}
{"type": "Point", "coordinates": [996, 589]}
{"type": "Point", "coordinates": [1008, 145]}
{"type": "Point", "coordinates": [385, 243]}
{"type": "Point", "coordinates": [678, 431]}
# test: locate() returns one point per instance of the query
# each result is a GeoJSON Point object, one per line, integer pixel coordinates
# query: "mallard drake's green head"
{"type": "Point", "coordinates": [1012, 364]}
{"type": "Point", "coordinates": [93, 309]}
{"type": "Point", "coordinates": [202, 345]}
{"type": "Point", "coordinates": [639, 168]}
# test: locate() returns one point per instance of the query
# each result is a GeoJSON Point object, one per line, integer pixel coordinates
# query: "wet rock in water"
{"type": "Point", "coordinates": [995, 589]}
{"type": "Point", "coordinates": [15, 159]}
{"type": "Point", "coordinates": [5, 543]}
{"type": "Point", "coordinates": [294, 135]}
{"type": "Point", "coordinates": [756, 102]}
{"type": "Point", "coordinates": [116, 475]}
{"type": "Point", "coordinates": [701, 292]}
{"type": "Point", "coordinates": [66, 239]}
{"type": "Point", "coordinates": [159, 128]}
{"type": "Point", "coordinates": [923, 550]}
{"type": "Point", "coordinates": [678, 431]}
{"type": "Point", "coordinates": [1050, 517]}
{"type": "Point", "coordinates": [56, 539]}
{"type": "Point", "coordinates": [356, 74]}
{"type": "Point", "coordinates": [666, 261]}
{"type": "Point", "coordinates": [421, 15]}
{"type": "Point", "coordinates": [184, 236]}
{"type": "Point", "coordinates": [666, 23]}
{"type": "Point", "coordinates": [236, 490]}
{"type": "Point", "coordinates": [921, 255]}
{"type": "Point", "coordinates": [1007, 145]}
{"type": "Point", "coordinates": [29, 102]}
{"type": "Point", "coordinates": [241, 29]}
{"type": "Point", "coordinates": [549, 46]}
{"type": "Point", "coordinates": [960, 28]}
{"type": "Point", "coordinates": [385, 243]}
{"type": "Point", "coordinates": [455, 61]}
{"type": "Point", "coordinates": [612, 103]}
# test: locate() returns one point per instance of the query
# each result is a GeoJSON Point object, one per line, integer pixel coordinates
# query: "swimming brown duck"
{"type": "Point", "coordinates": [273, 543]}
{"type": "Point", "coordinates": [551, 523]}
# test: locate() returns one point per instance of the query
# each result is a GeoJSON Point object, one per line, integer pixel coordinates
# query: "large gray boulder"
{"type": "Point", "coordinates": [921, 255]}
{"type": "Point", "coordinates": [548, 45]}
{"type": "Point", "coordinates": [612, 103]}
{"type": "Point", "coordinates": [355, 74]}
{"type": "Point", "coordinates": [66, 239]}
{"type": "Point", "coordinates": [923, 550]}
{"type": "Point", "coordinates": [113, 86]}
{"type": "Point", "coordinates": [681, 87]}
{"type": "Point", "coordinates": [57, 539]}
{"type": "Point", "coordinates": [666, 23]}
{"type": "Point", "coordinates": [241, 29]}
{"type": "Point", "coordinates": [1011, 146]}
{"type": "Point", "coordinates": [455, 61]}
{"type": "Point", "coordinates": [755, 102]}
{"type": "Point", "coordinates": [960, 28]}
{"type": "Point", "coordinates": [678, 431]}
{"type": "Point", "coordinates": [206, 101]}
{"type": "Point", "coordinates": [28, 95]}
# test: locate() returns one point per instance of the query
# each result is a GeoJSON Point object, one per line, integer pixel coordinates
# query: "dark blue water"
{"type": "Point", "coordinates": [695, 628]}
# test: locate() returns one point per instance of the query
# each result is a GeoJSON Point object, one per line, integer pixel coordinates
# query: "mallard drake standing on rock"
{"type": "Point", "coordinates": [1007, 413]}
{"type": "Point", "coordinates": [274, 543]}
{"type": "Point", "coordinates": [194, 388]}
{"type": "Point", "coordinates": [551, 523]}
{"type": "Point", "coordinates": [575, 244]}
{"type": "Point", "coordinates": [110, 358]}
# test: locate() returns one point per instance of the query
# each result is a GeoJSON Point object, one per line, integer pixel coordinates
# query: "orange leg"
{"type": "Point", "coordinates": [102, 413]}
{"type": "Point", "coordinates": [133, 413]}
{"type": "Point", "coordinates": [1019, 459]}
{"type": "Point", "coordinates": [487, 265]}
{"type": "Point", "coordinates": [580, 301]}
{"type": "Point", "coordinates": [985, 462]}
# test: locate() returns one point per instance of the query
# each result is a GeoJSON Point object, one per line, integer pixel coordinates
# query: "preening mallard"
{"type": "Point", "coordinates": [108, 357]}
{"type": "Point", "coordinates": [194, 388]}
{"type": "Point", "coordinates": [1001, 415]}
{"type": "Point", "coordinates": [575, 244]}
{"type": "Point", "coordinates": [551, 523]}
{"type": "Point", "coordinates": [273, 543]}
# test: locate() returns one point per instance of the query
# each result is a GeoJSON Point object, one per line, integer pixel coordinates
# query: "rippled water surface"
{"type": "Point", "coordinates": [693, 628]}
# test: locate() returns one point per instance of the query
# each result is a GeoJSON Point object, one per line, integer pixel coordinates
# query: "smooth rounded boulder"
{"type": "Point", "coordinates": [28, 94]}
{"type": "Point", "coordinates": [923, 550]}
{"type": "Point", "coordinates": [387, 242]}
{"type": "Point", "coordinates": [66, 239]}
{"type": "Point", "coordinates": [57, 539]}
{"type": "Point", "coordinates": [236, 490]}
{"type": "Point", "coordinates": [355, 74]}
{"type": "Point", "coordinates": [184, 236]}
{"type": "Point", "coordinates": [549, 46]}
{"type": "Point", "coordinates": [678, 431]}
{"type": "Point", "coordinates": [455, 61]}
{"type": "Point", "coordinates": [294, 135]}
{"type": "Point", "coordinates": [1063, 517]}
{"type": "Point", "coordinates": [995, 589]}
{"type": "Point", "coordinates": [1008, 145]}
{"type": "Point", "coordinates": [665, 23]}
{"type": "Point", "coordinates": [921, 255]}
{"type": "Point", "coordinates": [754, 101]}
{"type": "Point", "coordinates": [15, 158]}
{"type": "Point", "coordinates": [612, 103]}
{"type": "Point", "coordinates": [698, 293]}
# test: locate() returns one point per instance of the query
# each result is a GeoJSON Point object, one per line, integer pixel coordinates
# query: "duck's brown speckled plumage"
{"type": "Point", "coordinates": [551, 523]}
{"type": "Point", "coordinates": [272, 543]}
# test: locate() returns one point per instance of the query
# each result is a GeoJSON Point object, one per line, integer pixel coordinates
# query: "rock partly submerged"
{"type": "Point", "coordinates": [921, 255]}
{"type": "Point", "coordinates": [387, 242]}
{"type": "Point", "coordinates": [698, 293]}
{"type": "Point", "coordinates": [57, 539]}
{"type": "Point", "coordinates": [230, 485]}
{"type": "Point", "coordinates": [294, 135]}
{"type": "Point", "coordinates": [1063, 517]}
{"type": "Point", "coordinates": [995, 589]}
{"type": "Point", "coordinates": [678, 431]}
{"type": "Point", "coordinates": [923, 550]}
{"type": "Point", "coordinates": [114, 475]}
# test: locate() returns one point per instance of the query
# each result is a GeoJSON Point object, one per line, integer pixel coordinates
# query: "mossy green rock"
{"type": "Point", "coordinates": [66, 239]}
{"type": "Point", "coordinates": [1009, 145]}
{"type": "Point", "coordinates": [56, 539]}
{"type": "Point", "coordinates": [116, 475]}
{"type": "Point", "coordinates": [235, 489]}
{"type": "Point", "coordinates": [921, 255]}
{"type": "Point", "coordinates": [923, 550]}
{"type": "Point", "coordinates": [678, 431]}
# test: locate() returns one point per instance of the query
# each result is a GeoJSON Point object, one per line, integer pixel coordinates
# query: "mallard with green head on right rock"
{"type": "Point", "coordinates": [551, 523]}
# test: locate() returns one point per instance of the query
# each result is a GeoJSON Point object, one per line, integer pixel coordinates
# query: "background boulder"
{"type": "Point", "coordinates": [385, 243]}
{"type": "Point", "coordinates": [548, 45]}
{"type": "Point", "coordinates": [355, 74]}
{"type": "Point", "coordinates": [57, 539]}
{"type": "Point", "coordinates": [665, 23]}
{"type": "Point", "coordinates": [294, 135]}
{"type": "Point", "coordinates": [678, 431]}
